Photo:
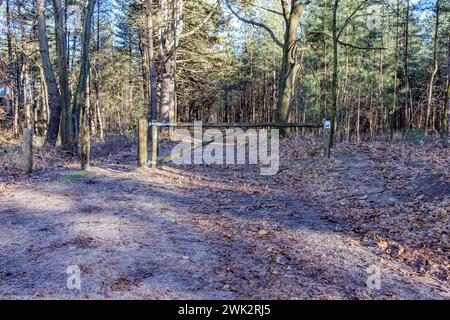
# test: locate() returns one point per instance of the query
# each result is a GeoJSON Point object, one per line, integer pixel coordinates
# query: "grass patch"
{"type": "Point", "coordinates": [74, 176]}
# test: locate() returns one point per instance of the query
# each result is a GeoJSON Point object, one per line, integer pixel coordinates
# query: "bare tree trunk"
{"type": "Point", "coordinates": [334, 83]}
{"type": "Point", "coordinates": [86, 107]}
{"type": "Point", "coordinates": [445, 116]}
{"type": "Point", "coordinates": [96, 113]}
{"type": "Point", "coordinates": [24, 77]}
{"type": "Point", "coordinates": [274, 94]}
{"type": "Point", "coordinates": [27, 120]}
{"type": "Point", "coordinates": [290, 65]}
{"type": "Point", "coordinates": [395, 97]}
{"type": "Point", "coordinates": [12, 92]}
{"type": "Point", "coordinates": [358, 118]}
{"type": "Point", "coordinates": [169, 41]}
{"type": "Point", "coordinates": [144, 71]}
{"type": "Point", "coordinates": [100, 123]}
{"type": "Point", "coordinates": [433, 72]}
{"type": "Point", "coordinates": [84, 72]}
{"type": "Point", "coordinates": [54, 97]}
{"type": "Point", "coordinates": [153, 103]}
{"type": "Point", "coordinates": [35, 105]}
{"type": "Point", "coordinates": [90, 109]}
{"type": "Point", "coordinates": [67, 126]}
{"type": "Point", "coordinates": [167, 94]}
{"type": "Point", "coordinates": [44, 101]}
{"type": "Point", "coordinates": [408, 101]}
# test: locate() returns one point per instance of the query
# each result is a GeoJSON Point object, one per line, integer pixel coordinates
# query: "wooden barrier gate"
{"type": "Point", "coordinates": [155, 125]}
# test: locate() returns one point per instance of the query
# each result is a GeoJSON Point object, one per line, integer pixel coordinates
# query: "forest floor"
{"type": "Point", "coordinates": [317, 230]}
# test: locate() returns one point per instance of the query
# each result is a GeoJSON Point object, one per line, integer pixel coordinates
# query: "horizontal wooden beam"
{"type": "Point", "coordinates": [235, 125]}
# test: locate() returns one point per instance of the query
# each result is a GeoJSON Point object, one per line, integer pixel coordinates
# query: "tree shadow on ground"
{"type": "Point", "coordinates": [133, 236]}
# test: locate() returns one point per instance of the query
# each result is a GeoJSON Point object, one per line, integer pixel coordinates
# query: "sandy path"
{"type": "Point", "coordinates": [210, 234]}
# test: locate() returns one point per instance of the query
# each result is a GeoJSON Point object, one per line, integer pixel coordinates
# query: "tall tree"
{"type": "Point", "coordinates": [12, 96]}
{"type": "Point", "coordinates": [24, 80]}
{"type": "Point", "coordinates": [446, 111]}
{"type": "Point", "coordinates": [337, 33]}
{"type": "Point", "coordinates": [67, 126]}
{"type": "Point", "coordinates": [434, 70]}
{"type": "Point", "coordinates": [169, 10]}
{"type": "Point", "coordinates": [292, 12]}
{"type": "Point", "coordinates": [153, 103]}
{"type": "Point", "coordinates": [79, 96]}
{"type": "Point", "coordinates": [407, 111]}
{"type": "Point", "coordinates": [54, 96]}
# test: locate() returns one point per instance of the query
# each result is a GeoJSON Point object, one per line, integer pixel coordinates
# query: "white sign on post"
{"type": "Point", "coordinates": [327, 124]}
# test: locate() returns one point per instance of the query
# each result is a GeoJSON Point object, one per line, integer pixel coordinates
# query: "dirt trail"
{"type": "Point", "coordinates": [181, 233]}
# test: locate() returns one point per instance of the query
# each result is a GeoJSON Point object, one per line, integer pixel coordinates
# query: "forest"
{"type": "Point", "coordinates": [357, 90]}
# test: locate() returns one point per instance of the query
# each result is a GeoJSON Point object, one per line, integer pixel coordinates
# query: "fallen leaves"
{"type": "Point", "coordinates": [355, 242]}
{"type": "Point", "coordinates": [396, 193]}
{"type": "Point", "coordinates": [121, 284]}
{"type": "Point", "coordinates": [263, 233]}
{"type": "Point", "coordinates": [383, 245]}
{"type": "Point", "coordinates": [371, 192]}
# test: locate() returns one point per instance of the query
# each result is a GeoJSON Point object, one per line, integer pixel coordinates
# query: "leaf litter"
{"type": "Point", "coordinates": [225, 232]}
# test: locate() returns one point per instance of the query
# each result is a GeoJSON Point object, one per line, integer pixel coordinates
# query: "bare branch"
{"type": "Point", "coordinates": [267, 9]}
{"type": "Point", "coordinates": [344, 43]}
{"type": "Point", "coordinates": [347, 21]}
{"type": "Point", "coordinates": [255, 23]}
{"type": "Point", "coordinates": [359, 47]}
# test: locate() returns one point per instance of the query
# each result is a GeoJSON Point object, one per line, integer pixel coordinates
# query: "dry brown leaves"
{"type": "Point", "coordinates": [394, 195]}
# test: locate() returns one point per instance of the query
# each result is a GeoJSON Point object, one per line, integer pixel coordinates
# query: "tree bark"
{"type": "Point", "coordinates": [12, 91]}
{"type": "Point", "coordinates": [445, 116]}
{"type": "Point", "coordinates": [169, 42]}
{"type": "Point", "coordinates": [290, 66]}
{"type": "Point", "coordinates": [408, 101]}
{"type": "Point", "coordinates": [24, 76]}
{"type": "Point", "coordinates": [54, 97]}
{"type": "Point", "coordinates": [434, 70]}
{"type": "Point", "coordinates": [84, 72]}
{"type": "Point", "coordinates": [153, 103]}
{"type": "Point", "coordinates": [334, 81]}
{"type": "Point", "coordinates": [96, 114]}
{"type": "Point", "coordinates": [67, 126]}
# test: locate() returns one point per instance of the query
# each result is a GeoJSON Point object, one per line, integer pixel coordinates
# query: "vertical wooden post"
{"type": "Point", "coordinates": [155, 132]}
{"type": "Point", "coordinates": [327, 138]}
{"type": "Point", "coordinates": [142, 148]}
{"type": "Point", "coordinates": [85, 147]}
{"type": "Point", "coordinates": [27, 149]}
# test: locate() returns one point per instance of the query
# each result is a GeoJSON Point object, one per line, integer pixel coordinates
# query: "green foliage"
{"type": "Point", "coordinates": [229, 70]}
{"type": "Point", "coordinates": [74, 176]}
